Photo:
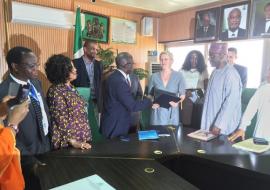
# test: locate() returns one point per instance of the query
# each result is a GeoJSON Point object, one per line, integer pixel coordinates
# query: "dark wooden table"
{"type": "Point", "coordinates": [220, 163]}
{"type": "Point", "coordinates": [119, 173]}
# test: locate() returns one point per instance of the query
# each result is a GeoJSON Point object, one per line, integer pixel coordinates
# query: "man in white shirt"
{"type": "Point", "coordinates": [222, 108]}
{"type": "Point", "coordinates": [259, 103]}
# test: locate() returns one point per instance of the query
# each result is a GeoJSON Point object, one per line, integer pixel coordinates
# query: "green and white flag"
{"type": "Point", "coordinates": [78, 48]}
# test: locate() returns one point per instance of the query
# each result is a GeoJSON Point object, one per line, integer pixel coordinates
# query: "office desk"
{"type": "Point", "coordinates": [119, 173]}
{"type": "Point", "coordinates": [220, 163]}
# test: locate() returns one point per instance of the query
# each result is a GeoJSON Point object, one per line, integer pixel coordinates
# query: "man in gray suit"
{"type": "Point", "coordinates": [242, 71]}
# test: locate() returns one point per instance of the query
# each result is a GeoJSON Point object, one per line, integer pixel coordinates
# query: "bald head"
{"type": "Point", "coordinates": [218, 48]}
{"type": "Point", "coordinates": [218, 54]}
{"type": "Point", "coordinates": [234, 19]}
{"type": "Point", "coordinates": [124, 61]}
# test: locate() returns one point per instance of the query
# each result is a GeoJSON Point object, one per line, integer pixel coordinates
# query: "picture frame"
{"type": "Point", "coordinates": [207, 25]}
{"type": "Point", "coordinates": [260, 19]}
{"type": "Point", "coordinates": [234, 24]}
{"type": "Point", "coordinates": [95, 27]}
{"type": "Point", "coordinates": [123, 31]}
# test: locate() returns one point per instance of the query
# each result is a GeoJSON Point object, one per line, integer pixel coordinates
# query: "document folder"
{"type": "Point", "coordinates": [249, 145]}
{"type": "Point", "coordinates": [148, 135]}
{"type": "Point", "coordinates": [202, 135]}
{"type": "Point", "coordinates": [93, 182]}
{"type": "Point", "coordinates": [163, 98]}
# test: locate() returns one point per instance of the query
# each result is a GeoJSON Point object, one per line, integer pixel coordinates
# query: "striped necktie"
{"type": "Point", "coordinates": [36, 105]}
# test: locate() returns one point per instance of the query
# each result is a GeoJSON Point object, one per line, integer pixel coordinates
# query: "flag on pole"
{"type": "Point", "coordinates": [78, 48]}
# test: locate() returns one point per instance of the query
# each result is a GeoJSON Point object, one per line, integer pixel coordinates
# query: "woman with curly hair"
{"type": "Point", "coordinates": [195, 71]}
{"type": "Point", "coordinates": [67, 109]}
{"type": "Point", "coordinates": [196, 76]}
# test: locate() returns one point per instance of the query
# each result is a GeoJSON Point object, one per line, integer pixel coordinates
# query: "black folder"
{"type": "Point", "coordinates": [163, 98]}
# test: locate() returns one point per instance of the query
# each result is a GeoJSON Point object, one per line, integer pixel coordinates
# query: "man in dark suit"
{"type": "Point", "coordinates": [89, 72]}
{"type": "Point", "coordinates": [242, 71]}
{"type": "Point", "coordinates": [137, 93]}
{"type": "Point", "coordinates": [234, 31]}
{"type": "Point", "coordinates": [207, 30]}
{"type": "Point", "coordinates": [118, 101]}
{"type": "Point", "coordinates": [262, 25]}
{"type": "Point", "coordinates": [33, 137]}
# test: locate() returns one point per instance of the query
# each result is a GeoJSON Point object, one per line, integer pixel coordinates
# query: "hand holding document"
{"type": "Point", "coordinates": [165, 99]}
{"type": "Point", "coordinates": [238, 134]}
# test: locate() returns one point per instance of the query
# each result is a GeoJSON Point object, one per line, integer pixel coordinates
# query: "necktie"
{"type": "Point", "coordinates": [233, 35]}
{"type": "Point", "coordinates": [128, 82]}
{"type": "Point", "coordinates": [36, 105]}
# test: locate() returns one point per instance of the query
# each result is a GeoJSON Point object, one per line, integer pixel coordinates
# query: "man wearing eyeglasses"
{"type": "Point", "coordinates": [234, 31]}
{"type": "Point", "coordinates": [222, 105]}
{"type": "Point", "coordinates": [118, 100]}
{"type": "Point", "coordinates": [32, 138]}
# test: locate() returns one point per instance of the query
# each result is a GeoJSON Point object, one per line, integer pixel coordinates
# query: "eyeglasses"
{"type": "Point", "coordinates": [29, 65]}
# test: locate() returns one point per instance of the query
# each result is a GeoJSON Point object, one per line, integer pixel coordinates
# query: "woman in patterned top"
{"type": "Point", "coordinates": [67, 109]}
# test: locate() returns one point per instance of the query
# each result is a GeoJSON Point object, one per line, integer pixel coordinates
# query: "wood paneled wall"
{"type": "Point", "coordinates": [45, 41]}
{"type": "Point", "coordinates": [3, 66]}
{"type": "Point", "coordinates": [180, 25]}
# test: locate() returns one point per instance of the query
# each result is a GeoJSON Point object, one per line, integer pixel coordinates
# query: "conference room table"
{"type": "Point", "coordinates": [178, 162]}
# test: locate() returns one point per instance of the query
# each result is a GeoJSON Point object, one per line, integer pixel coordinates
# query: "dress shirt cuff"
{"type": "Point", "coordinates": [243, 126]}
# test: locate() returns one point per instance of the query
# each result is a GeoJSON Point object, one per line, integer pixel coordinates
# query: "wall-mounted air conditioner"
{"type": "Point", "coordinates": [154, 66]}
{"type": "Point", "coordinates": [43, 16]}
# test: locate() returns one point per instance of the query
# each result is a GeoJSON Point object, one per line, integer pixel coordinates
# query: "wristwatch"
{"type": "Point", "coordinates": [14, 127]}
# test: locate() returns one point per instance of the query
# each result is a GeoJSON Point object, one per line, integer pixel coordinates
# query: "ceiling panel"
{"type": "Point", "coordinates": [161, 6]}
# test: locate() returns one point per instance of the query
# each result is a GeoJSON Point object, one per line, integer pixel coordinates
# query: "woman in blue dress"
{"type": "Point", "coordinates": [170, 81]}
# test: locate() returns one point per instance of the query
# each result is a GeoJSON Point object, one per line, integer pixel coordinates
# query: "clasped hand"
{"type": "Point", "coordinates": [172, 103]}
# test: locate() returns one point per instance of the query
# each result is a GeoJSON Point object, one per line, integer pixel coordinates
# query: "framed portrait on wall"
{"type": "Point", "coordinates": [207, 25]}
{"type": "Point", "coordinates": [95, 27]}
{"type": "Point", "coordinates": [123, 31]}
{"type": "Point", "coordinates": [260, 19]}
{"type": "Point", "coordinates": [234, 22]}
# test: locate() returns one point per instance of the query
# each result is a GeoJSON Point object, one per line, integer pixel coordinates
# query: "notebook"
{"type": "Point", "coordinates": [93, 182]}
{"type": "Point", "coordinates": [202, 135]}
{"type": "Point", "coordinates": [148, 135]}
{"type": "Point", "coordinates": [248, 145]}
